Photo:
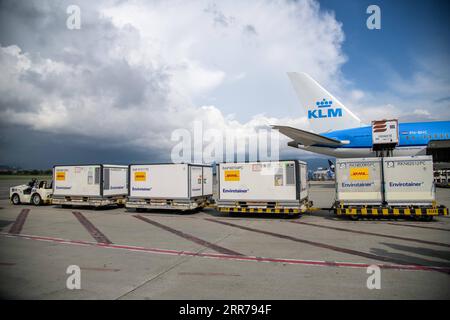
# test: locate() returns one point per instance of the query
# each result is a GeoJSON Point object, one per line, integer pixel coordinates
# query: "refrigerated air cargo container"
{"type": "Point", "coordinates": [270, 186]}
{"type": "Point", "coordinates": [169, 186]}
{"type": "Point", "coordinates": [409, 180]}
{"type": "Point", "coordinates": [389, 186]}
{"type": "Point", "coordinates": [359, 181]}
{"type": "Point", "coordinates": [90, 185]}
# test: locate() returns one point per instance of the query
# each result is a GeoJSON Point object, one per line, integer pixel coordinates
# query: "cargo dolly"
{"type": "Point", "coordinates": [425, 213]}
{"type": "Point", "coordinates": [88, 201]}
{"type": "Point", "coordinates": [177, 204]}
{"type": "Point", "coordinates": [288, 208]}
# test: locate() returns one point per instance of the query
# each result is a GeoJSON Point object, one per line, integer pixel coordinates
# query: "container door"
{"type": "Point", "coordinates": [303, 181]}
{"type": "Point", "coordinates": [207, 181]}
{"type": "Point", "coordinates": [106, 182]}
{"type": "Point", "coordinates": [196, 181]}
{"type": "Point", "coordinates": [115, 181]}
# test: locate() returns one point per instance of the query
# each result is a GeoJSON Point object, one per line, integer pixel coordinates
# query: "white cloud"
{"type": "Point", "coordinates": [135, 70]}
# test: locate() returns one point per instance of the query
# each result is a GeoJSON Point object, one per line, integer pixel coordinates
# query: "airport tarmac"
{"type": "Point", "coordinates": [208, 255]}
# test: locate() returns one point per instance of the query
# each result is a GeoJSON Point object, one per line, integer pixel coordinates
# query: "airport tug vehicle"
{"type": "Point", "coordinates": [35, 192]}
{"type": "Point", "coordinates": [386, 186]}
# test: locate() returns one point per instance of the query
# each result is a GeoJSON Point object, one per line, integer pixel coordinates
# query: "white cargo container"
{"type": "Point", "coordinates": [169, 186]}
{"type": "Point", "coordinates": [385, 132]}
{"type": "Point", "coordinates": [93, 185]}
{"type": "Point", "coordinates": [359, 181]}
{"type": "Point", "coordinates": [389, 186]}
{"type": "Point", "coordinates": [271, 186]}
{"type": "Point", "coordinates": [409, 180]}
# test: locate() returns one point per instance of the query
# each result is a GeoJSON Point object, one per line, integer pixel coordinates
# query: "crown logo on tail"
{"type": "Point", "coordinates": [324, 103]}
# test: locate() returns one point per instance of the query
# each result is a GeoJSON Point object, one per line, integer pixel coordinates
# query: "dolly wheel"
{"type": "Point", "coordinates": [15, 199]}
{"type": "Point", "coordinates": [37, 201]}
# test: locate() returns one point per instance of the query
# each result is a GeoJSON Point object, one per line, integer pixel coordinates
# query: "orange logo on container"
{"type": "Point", "coordinates": [61, 176]}
{"type": "Point", "coordinates": [140, 176]}
{"type": "Point", "coordinates": [232, 175]}
{"type": "Point", "coordinates": [359, 173]}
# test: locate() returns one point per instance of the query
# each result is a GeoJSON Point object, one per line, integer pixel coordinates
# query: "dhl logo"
{"type": "Point", "coordinates": [232, 175]}
{"type": "Point", "coordinates": [140, 176]}
{"type": "Point", "coordinates": [61, 176]}
{"type": "Point", "coordinates": [359, 173]}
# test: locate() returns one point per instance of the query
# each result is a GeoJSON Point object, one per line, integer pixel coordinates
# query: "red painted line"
{"type": "Point", "coordinates": [373, 234]}
{"type": "Point", "coordinates": [416, 226]}
{"type": "Point", "coordinates": [94, 232]}
{"type": "Point", "coordinates": [227, 257]}
{"type": "Point", "coordinates": [189, 237]}
{"type": "Point", "coordinates": [208, 274]}
{"type": "Point", "coordinates": [20, 221]}
{"type": "Point", "coordinates": [316, 244]}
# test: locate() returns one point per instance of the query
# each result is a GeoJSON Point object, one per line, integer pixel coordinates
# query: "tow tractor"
{"type": "Point", "coordinates": [35, 192]}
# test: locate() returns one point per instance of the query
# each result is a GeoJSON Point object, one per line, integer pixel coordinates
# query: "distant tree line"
{"type": "Point", "coordinates": [22, 172]}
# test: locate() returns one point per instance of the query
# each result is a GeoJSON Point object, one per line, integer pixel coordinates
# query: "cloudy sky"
{"type": "Point", "coordinates": [118, 88]}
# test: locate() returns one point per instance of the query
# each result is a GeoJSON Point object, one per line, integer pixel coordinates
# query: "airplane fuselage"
{"type": "Point", "coordinates": [413, 140]}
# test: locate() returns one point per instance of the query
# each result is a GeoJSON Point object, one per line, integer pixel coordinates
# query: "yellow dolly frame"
{"type": "Point", "coordinates": [425, 212]}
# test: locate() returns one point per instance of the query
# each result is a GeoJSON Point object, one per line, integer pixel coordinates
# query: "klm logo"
{"type": "Point", "coordinates": [324, 110]}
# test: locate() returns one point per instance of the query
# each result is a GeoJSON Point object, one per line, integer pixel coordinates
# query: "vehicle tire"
{"type": "Point", "coordinates": [15, 199]}
{"type": "Point", "coordinates": [36, 199]}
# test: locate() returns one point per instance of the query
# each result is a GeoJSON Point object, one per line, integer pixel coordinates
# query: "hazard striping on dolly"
{"type": "Point", "coordinates": [392, 211]}
{"type": "Point", "coordinates": [261, 210]}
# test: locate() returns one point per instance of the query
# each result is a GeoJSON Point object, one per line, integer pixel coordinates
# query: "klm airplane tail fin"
{"type": "Point", "coordinates": [325, 113]}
